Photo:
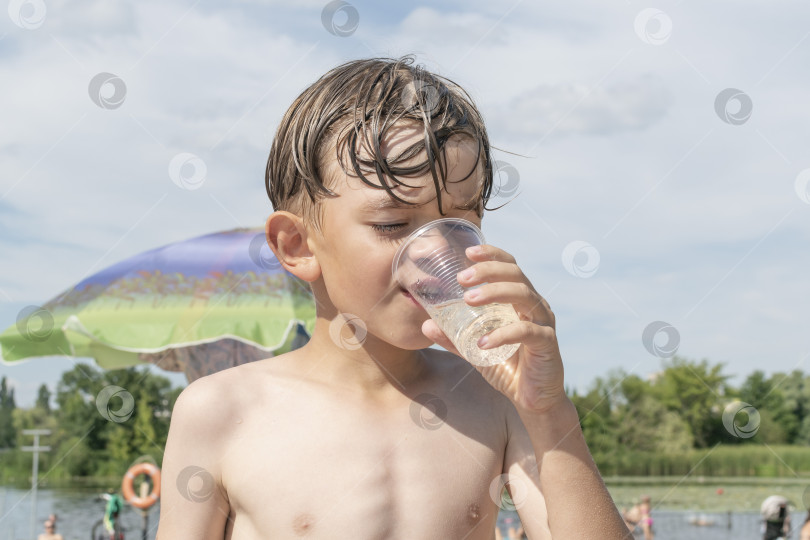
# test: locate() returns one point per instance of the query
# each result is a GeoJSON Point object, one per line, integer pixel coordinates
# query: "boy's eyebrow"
{"type": "Point", "coordinates": [388, 203]}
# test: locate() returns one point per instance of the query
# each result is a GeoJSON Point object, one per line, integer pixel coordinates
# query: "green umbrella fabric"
{"type": "Point", "coordinates": [221, 298]}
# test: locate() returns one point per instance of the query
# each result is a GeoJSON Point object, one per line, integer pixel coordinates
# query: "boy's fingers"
{"type": "Point", "coordinates": [433, 332]}
{"type": "Point", "coordinates": [489, 271]}
{"type": "Point", "coordinates": [525, 300]}
{"type": "Point", "coordinates": [542, 340]}
{"type": "Point", "coordinates": [486, 252]}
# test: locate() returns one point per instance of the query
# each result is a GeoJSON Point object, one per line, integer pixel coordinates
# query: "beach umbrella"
{"type": "Point", "coordinates": [195, 306]}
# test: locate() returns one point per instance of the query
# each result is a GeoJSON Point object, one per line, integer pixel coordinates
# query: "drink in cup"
{"type": "Point", "coordinates": [427, 264]}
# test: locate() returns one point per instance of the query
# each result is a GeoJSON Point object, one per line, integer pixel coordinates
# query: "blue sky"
{"type": "Point", "coordinates": [697, 222]}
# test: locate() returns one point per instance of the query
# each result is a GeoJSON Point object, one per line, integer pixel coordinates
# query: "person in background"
{"type": "Point", "coordinates": [114, 506]}
{"type": "Point", "coordinates": [646, 518]}
{"type": "Point", "coordinates": [776, 518]}
{"type": "Point", "coordinates": [50, 530]}
{"type": "Point", "coordinates": [640, 516]}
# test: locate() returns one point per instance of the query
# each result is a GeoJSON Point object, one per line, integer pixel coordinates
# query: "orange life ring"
{"type": "Point", "coordinates": [128, 489]}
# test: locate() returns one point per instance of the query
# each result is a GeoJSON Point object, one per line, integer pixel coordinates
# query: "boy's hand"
{"type": "Point", "coordinates": [533, 377]}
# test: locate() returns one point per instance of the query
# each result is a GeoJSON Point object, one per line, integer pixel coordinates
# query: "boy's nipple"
{"type": "Point", "coordinates": [473, 513]}
{"type": "Point", "coordinates": [303, 524]}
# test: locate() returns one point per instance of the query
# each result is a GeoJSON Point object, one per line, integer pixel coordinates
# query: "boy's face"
{"type": "Point", "coordinates": [362, 229]}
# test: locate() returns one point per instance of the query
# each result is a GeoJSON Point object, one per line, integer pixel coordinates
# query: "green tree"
{"type": "Point", "coordinates": [120, 450]}
{"type": "Point", "coordinates": [770, 430]}
{"type": "Point", "coordinates": [778, 424]}
{"type": "Point", "coordinates": [647, 425]}
{"type": "Point", "coordinates": [145, 439]}
{"type": "Point", "coordinates": [640, 422]}
{"type": "Point", "coordinates": [803, 436]}
{"type": "Point", "coordinates": [77, 413]}
{"type": "Point", "coordinates": [694, 392]}
{"type": "Point", "coordinates": [595, 410]}
{"type": "Point", "coordinates": [95, 432]}
{"type": "Point", "coordinates": [43, 398]}
{"type": "Point", "coordinates": [795, 389]}
{"type": "Point", "coordinates": [7, 406]}
{"type": "Point", "coordinates": [77, 458]}
{"type": "Point", "coordinates": [117, 414]}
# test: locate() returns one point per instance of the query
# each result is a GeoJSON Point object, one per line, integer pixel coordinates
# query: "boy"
{"type": "Point", "coordinates": [375, 435]}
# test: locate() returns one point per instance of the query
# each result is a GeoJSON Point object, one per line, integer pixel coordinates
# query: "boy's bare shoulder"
{"type": "Point", "coordinates": [217, 398]}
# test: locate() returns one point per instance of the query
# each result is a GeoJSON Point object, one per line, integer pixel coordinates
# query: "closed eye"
{"type": "Point", "coordinates": [387, 227]}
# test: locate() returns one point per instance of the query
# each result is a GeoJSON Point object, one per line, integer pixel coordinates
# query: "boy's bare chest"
{"type": "Point", "coordinates": [339, 469]}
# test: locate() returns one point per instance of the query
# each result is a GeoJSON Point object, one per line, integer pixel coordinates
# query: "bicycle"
{"type": "Point", "coordinates": [99, 531]}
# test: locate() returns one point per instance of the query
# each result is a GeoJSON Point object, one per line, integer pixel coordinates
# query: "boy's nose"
{"type": "Point", "coordinates": [427, 247]}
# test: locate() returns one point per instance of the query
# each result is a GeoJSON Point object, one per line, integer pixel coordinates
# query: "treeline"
{"type": "Point", "coordinates": [688, 418]}
{"type": "Point", "coordinates": [103, 421]}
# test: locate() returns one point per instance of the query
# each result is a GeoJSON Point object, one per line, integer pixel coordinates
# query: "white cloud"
{"type": "Point", "coordinates": [90, 20]}
{"type": "Point", "coordinates": [558, 110]}
{"type": "Point", "coordinates": [430, 26]}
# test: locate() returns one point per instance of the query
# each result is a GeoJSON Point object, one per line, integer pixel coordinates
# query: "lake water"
{"type": "Point", "coordinates": [78, 511]}
{"type": "Point", "coordinates": [680, 525]}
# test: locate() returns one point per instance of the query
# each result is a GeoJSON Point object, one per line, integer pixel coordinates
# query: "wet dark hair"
{"type": "Point", "coordinates": [351, 108]}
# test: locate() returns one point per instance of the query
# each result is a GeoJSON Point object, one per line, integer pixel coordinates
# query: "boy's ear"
{"type": "Point", "coordinates": [287, 237]}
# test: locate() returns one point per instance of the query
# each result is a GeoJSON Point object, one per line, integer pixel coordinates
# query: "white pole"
{"type": "Point", "coordinates": [34, 478]}
{"type": "Point", "coordinates": [36, 449]}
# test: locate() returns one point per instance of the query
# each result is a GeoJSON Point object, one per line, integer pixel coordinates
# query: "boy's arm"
{"type": "Point", "coordinates": [523, 481]}
{"type": "Point", "coordinates": [577, 501]}
{"type": "Point", "coordinates": [192, 500]}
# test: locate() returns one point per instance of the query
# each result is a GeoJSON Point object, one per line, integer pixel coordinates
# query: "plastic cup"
{"type": "Point", "coordinates": [427, 264]}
